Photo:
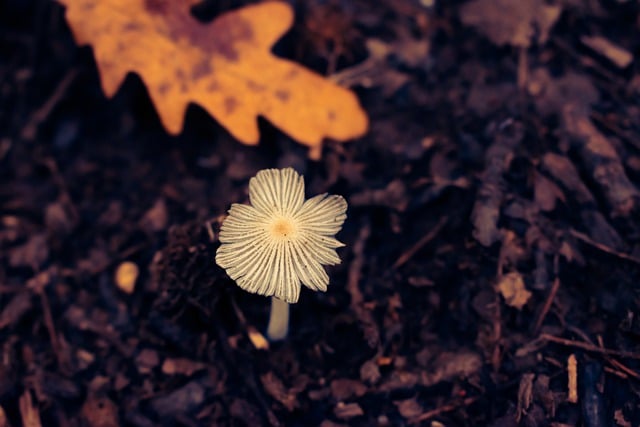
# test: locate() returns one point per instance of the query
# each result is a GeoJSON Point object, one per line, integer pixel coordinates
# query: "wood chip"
{"type": "Point", "coordinates": [572, 372]}
{"type": "Point", "coordinates": [518, 23]}
{"type": "Point", "coordinates": [126, 276]}
{"type": "Point", "coordinates": [345, 411]}
{"type": "Point", "coordinates": [276, 389]}
{"type": "Point", "coordinates": [156, 218]}
{"type": "Point", "coordinates": [409, 408]}
{"type": "Point", "coordinates": [511, 287]}
{"type": "Point", "coordinates": [257, 339]}
{"type": "Point", "coordinates": [29, 411]}
{"type": "Point", "coordinates": [181, 366]}
{"type": "Point", "coordinates": [4, 422]}
{"type": "Point", "coordinates": [100, 411]}
{"type": "Point", "coordinates": [602, 161]}
{"type": "Point", "coordinates": [147, 360]}
{"type": "Point", "coordinates": [525, 395]}
{"type": "Point", "coordinates": [33, 253]}
{"type": "Point", "coordinates": [344, 388]}
{"type": "Point", "coordinates": [451, 365]}
{"type": "Point", "coordinates": [19, 305]}
{"type": "Point", "coordinates": [619, 56]}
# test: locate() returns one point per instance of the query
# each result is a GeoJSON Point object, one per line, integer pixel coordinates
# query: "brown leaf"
{"type": "Point", "coordinates": [345, 411]}
{"type": "Point", "coordinates": [100, 411]}
{"type": "Point", "coordinates": [33, 253]}
{"type": "Point", "coordinates": [516, 23]}
{"type": "Point", "coordinates": [181, 366]}
{"type": "Point", "coordinates": [156, 218]}
{"type": "Point", "coordinates": [486, 210]}
{"type": "Point", "coordinates": [602, 161]}
{"type": "Point", "coordinates": [370, 372]}
{"type": "Point", "coordinates": [276, 389]}
{"type": "Point", "coordinates": [409, 408]}
{"type": "Point", "coordinates": [546, 193]}
{"type": "Point", "coordinates": [448, 366]}
{"type": "Point", "coordinates": [344, 388]}
{"type": "Point", "coordinates": [619, 418]}
{"type": "Point", "coordinates": [147, 360]}
{"type": "Point", "coordinates": [19, 305]}
{"type": "Point", "coordinates": [552, 94]}
{"type": "Point", "coordinates": [525, 394]}
{"type": "Point", "coordinates": [226, 67]}
{"type": "Point", "coordinates": [183, 400]}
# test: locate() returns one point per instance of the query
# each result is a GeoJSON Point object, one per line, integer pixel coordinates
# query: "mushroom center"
{"type": "Point", "coordinates": [283, 228]}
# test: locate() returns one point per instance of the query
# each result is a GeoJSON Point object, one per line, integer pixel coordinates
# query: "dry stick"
{"type": "Point", "coordinates": [41, 114]}
{"type": "Point", "coordinates": [616, 372]}
{"type": "Point", "coordinates": [614, 80]}
{"type": "Point", "coordinates": [603, 248]}
{"type": "Point", "coordinates": [587, 339]}
{"type": "Point", "coordinates": [37, 285]}
{"type": "Point", "coordinates": [523, 69]}
{"type": "Point", "coordinates": [370, 330]}
{"type": "Point", "coordinates": [550, 298]}
{"type": "Point", "coordinates": [496, 355]}
{"type": "Point", "coordinates": [618, 365]}
{"type": "Point", "coordinates": [445, 408]}
{"type": "Point", "coordinates": [589, 347]}
{"type": "Point", "coordinates": [409, 253]}
{"type": "Point", "coordinates": [29, 411]}
{"type": "Point", "coordinates": [65, 196]}
{"type": "Point", "coordinates": [572, 383]}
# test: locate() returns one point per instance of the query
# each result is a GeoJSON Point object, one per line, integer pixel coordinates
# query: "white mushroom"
{"type": "Point", "coordinates": [281, 241]}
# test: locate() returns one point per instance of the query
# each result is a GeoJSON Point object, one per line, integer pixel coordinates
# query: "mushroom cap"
{"type": "Point", "coordinates": [280, 241]}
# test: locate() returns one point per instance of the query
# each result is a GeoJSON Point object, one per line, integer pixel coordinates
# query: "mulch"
{"type": "Point", "coordinates": [492, 262]}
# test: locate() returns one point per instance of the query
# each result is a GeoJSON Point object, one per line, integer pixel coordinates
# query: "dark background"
{"type": "Point", "coordinates": [464, 180]}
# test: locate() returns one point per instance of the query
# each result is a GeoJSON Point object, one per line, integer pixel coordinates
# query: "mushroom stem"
{"type": "Point", "coordinates": [279, 320]}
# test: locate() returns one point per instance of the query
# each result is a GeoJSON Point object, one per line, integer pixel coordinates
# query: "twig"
{"type": "Point", "coordinates": [619, 365]}
{"type": "Point", "coordinates": [29, 411]}
{"type": "Point", "coordinates": [589, 347]}
{"type": "Point", "coordinates": [626, 372]}
{"type": "Point", "coordinates": [603, 248]}
{"type": "Point", "coordinates": [572, 383]}
{"type": "Point", "coordinates": [38, 285]}
{"type": "Point", "coordinates": [445, 408]}
{"type": "Point", "coordinates": [370, 330]}
{"type": "Point", "coordinates": [550, 298]}
{"type": "Point", "coordinates": [614, 80]}
{"type": "Point", "coordinates": [41, 114]}
{"type": "Point", "coordinates": [409, 253]}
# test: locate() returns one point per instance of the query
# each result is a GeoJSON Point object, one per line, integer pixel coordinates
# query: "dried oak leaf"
{"type": "Point", "coordinates": [513, 22]}
{"type": "Point", "coordinates": [226, 67]}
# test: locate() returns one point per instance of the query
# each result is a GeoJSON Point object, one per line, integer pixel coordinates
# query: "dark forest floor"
{"type": "Point", "coordinates": [492, 239]}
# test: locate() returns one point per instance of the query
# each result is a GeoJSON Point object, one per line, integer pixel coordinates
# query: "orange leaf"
{"type": "Point", "coordinates": [226, 67]}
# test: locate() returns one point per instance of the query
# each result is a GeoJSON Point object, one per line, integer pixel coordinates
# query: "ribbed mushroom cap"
{"type": "Point", "coordinates": [281, 240]}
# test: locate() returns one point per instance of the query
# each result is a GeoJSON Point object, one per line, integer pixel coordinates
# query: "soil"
{"type": "Point", "coordinates": [492, 262]}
